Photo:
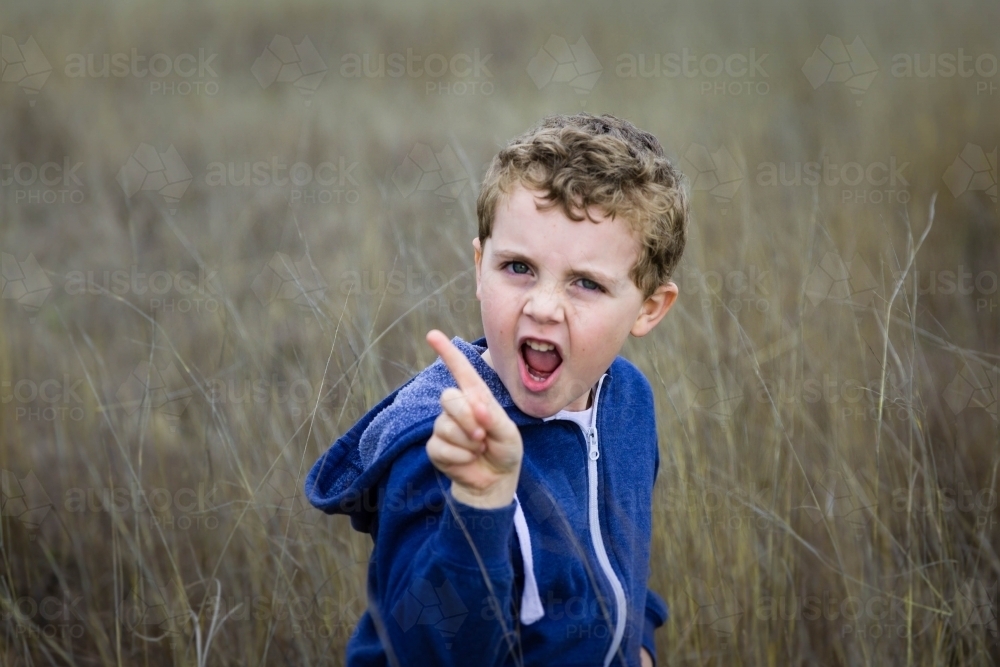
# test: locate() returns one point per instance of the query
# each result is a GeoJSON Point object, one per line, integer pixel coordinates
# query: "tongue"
{"type": "Point", "coordinates": [544, 362]}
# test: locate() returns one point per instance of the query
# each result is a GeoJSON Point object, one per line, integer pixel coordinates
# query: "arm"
{"type": "Point", "coordinates": [446, 575]}
{"type": "Point", "coordinates": [656, 615]}
{"type": "Point", "coordinates": [434, 598]}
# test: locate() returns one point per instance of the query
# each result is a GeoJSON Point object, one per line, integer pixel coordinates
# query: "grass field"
{"type": "Point", "coordinates": [226, 228]}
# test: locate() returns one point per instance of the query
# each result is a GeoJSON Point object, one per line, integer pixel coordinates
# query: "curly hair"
{"type": "Point", "coordinates": [584, 160]}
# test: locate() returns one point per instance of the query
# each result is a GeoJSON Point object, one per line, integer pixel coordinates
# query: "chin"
{"type": "Point", "coordinates": [535, 412]}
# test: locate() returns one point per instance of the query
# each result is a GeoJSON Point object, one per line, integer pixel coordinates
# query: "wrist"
{"type": "Point", "coordinates": [500, 494]}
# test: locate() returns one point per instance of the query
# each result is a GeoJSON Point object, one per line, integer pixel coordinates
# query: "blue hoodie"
{"type": "Point", "coordinates": [558, 577]}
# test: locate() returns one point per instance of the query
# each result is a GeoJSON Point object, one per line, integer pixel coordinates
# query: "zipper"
{"type": "Point", "coordinates": [594, 453]}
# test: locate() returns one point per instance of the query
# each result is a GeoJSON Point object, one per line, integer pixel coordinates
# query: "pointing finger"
{"type": "Point", "coordinates": [486, 409]}
{"type": "Point", "coordinates": [461, 369]}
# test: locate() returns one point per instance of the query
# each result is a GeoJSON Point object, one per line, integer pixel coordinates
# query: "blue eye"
{"type": "Point", "coordinates": [514, 266]}
{"type": "Point", "coordinates": [595, 288]}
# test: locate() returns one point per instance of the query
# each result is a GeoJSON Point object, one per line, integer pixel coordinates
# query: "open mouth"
{"type": "Point", "coordinates": [539, 364]}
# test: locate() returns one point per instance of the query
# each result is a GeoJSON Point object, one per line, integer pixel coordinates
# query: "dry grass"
{"type": "Point", "coordinates": [822, 498]}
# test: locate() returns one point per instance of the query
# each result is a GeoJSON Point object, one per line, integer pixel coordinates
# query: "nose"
{"type": "Point", "coordinates": [544, 304]}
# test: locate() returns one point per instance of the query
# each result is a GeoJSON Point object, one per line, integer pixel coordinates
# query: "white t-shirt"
{"type": "Point", "coordinates": [581, 417]}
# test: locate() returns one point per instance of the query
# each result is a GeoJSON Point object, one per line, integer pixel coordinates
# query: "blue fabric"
{"type": "Point", "coordinates": [445, 579]}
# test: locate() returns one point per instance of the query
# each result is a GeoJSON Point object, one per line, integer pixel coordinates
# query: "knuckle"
{"type": "Point", "coordinates": [456, 434]}
{"type": "Point", "coordinates": [433, 449]}
{"type": "Point", "coordinates": [452, 400]}
{"type": "Point", "coordinates": [439, 424]}
{"type": "Point", "coordinates": [448, 430]}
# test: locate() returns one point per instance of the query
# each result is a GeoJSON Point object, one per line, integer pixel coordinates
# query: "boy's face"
{"type": "Point", "coordinates": [546, 278]}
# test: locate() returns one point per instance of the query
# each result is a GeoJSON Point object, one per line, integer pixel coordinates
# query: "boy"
{"type": "Point", "coordinates": [511, 515]}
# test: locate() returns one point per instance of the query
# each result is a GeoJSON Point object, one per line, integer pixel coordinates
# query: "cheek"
{"type": "Point", "coordinates": [500, 299]}
{"type": "Point", "coordinates": [596, 331]}
{"type": "Point", "coordinates": [499, 310]}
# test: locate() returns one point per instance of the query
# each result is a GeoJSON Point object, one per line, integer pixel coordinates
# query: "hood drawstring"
{"type": "Point", "coordinates": [531, 603]}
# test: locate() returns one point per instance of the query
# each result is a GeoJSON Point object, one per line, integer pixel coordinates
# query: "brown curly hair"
{"type": "Point", "coordinates": [584, 160]}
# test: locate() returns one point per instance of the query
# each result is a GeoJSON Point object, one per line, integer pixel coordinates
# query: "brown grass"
{"type": "Point", "coordinates": [809, 450]}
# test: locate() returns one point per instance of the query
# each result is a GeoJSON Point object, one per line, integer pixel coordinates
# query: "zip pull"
{"type": "Point", "coordinates": [592, 437]}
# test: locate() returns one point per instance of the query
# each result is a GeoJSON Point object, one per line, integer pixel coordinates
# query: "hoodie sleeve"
{"type": "Point", "coordinates": [444, 572]}
{"type": "Point", "coordinates": [657, 612]}
{"type": "Point", "coordinates": [656, 615]}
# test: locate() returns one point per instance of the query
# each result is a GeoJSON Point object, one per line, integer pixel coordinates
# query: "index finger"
{"type": "Point", "coordinates": [465, 375]}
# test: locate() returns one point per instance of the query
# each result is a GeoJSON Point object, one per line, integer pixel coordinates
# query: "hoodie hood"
{"type": "Point", "coordinates": [345, 480]}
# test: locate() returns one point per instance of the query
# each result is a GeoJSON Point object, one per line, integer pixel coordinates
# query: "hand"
{"type": "Point", "coordinates": [647, 660]}
{"type": "Point", "coordinates": [474, 442]}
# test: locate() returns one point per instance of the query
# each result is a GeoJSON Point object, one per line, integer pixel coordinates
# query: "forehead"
{"type": "Point", "coordinates": [548, 234]}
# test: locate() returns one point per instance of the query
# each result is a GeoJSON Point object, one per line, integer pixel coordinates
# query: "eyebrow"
{"type": "Point", "coordinates": [596, 276]}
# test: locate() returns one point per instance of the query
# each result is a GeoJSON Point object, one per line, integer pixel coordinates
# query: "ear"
{"type": "Point", "coordinates": [479, 264]}
{"type": "Point", "coordinates": [654, 308]}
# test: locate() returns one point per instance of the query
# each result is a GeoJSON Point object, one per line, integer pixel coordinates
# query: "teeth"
{"type": "Point", "coordinates": [541, 347]}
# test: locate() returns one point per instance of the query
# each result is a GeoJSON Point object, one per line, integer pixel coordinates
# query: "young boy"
{"type": "Point", "coordinates": [511, 514]}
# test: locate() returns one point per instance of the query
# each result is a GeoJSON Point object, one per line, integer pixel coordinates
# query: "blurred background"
{"type": "Point", "coordinates": [226, 227]}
